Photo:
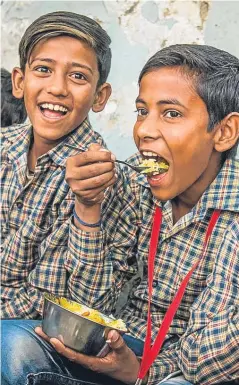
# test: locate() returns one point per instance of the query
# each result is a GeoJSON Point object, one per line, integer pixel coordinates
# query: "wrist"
{"type": "Point", "coordinates": [87, 217]}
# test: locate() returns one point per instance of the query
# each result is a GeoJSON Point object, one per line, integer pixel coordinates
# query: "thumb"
{"type": "Point", "coordinates": [116, 342]}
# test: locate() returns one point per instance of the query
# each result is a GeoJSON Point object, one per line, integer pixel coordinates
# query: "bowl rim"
{"type": "Point", "coordinates": [52, 298]}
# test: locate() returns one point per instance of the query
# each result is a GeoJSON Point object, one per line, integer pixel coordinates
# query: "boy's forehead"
{"type": "Point", "coordinates": [62, 47]}
{"type": "Point", "coordinates": [64, 39]}
{"type": "Point", "coordinates": [168, 82]}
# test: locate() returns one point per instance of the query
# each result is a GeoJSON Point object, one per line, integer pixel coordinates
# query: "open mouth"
{"type": "Point", "coordinates": [53, 111]}
{"type": "Point", "coordinates": [153, 164]}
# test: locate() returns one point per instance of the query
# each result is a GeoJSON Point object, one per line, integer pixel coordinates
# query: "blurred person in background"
{"type": "Point", "coordinates": [12, 109]}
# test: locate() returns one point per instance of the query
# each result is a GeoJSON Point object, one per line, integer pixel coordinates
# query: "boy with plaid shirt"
{"type": "Point", "coordinates": [187, 118]}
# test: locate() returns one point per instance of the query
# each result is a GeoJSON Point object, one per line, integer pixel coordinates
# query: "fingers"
{"type": "Point", "coordinates": [121, 363]}
{"type": "Point", "coordinates": [116, 342]}
{"type": "Point", "coordinates": [41, 333]}
{"type": "Point", "coordinates": [88, 157]}
{"type": "Point", "coordinates": [62, 349]}
{"type": "Point", "coordinates": [95, 184]}
{"type": "Point", "coordinates": [93, 363]}
{"type": "Point", "coordinates": [90, 173]}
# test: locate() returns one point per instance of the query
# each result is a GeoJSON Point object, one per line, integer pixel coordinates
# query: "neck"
{"type": "Point", "coordinates": [183, 203]}
{"type": "Point", "coordinates": [38, 148]}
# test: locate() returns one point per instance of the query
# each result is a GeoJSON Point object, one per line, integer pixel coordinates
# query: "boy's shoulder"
{"type": "Point", "coordinates": [11, 134]}
{"type": "Point", "coordinates": [83, 136]}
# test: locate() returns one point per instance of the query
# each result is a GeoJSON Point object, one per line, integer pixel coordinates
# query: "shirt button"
{"type": "Point", "coordinates": [19, 205]}
{"type": "Point", "coordinates": [155, 284]}
{"type": "Point", "coordinates": [167, 240]}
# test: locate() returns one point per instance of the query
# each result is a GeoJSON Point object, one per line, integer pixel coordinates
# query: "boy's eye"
{"type": "Point", "coordinates": [78, 76]}
{"type": "Point", "coordinates": [42, 69]}
{"type": "Point", "coordinates": [172, 114]}
{"type": "Point", "coordinates": [141, 111]}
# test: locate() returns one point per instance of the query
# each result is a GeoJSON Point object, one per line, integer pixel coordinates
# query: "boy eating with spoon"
{"type": "Point", "coordinates": [181, 226]}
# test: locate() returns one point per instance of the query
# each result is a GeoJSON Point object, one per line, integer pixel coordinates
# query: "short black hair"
{"type": "Point", "coordinates": [64, 23]}
{"type": "Point", "coordinates": [214, 74]}
{"type": "Point", "coordinates": [12, 109]}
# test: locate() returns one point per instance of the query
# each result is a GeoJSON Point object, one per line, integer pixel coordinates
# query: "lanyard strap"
{"type": "Point", "coordinates": [150, 353]}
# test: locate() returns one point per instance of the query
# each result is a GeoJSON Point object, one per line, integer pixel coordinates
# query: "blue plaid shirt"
{"type": "Point", "coordinates": [203, 339]}
{"type": "Point", "coordinates": [36, 216]}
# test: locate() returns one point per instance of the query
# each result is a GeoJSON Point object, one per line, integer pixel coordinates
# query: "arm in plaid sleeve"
{"type": "Point", "coordinates": [101, 262]}
{"type": "Point", "coordinates": [38, 260]}
{"type": "Point", "coordinates": [26, 281]}
{"type": "Point", "coordinates": [208, 352]}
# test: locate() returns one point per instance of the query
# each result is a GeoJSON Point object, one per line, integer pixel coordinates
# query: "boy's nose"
{"type": "Point", "coordinates": [148, 130]}
{"type": "Point", "coordinates": [57, 86]}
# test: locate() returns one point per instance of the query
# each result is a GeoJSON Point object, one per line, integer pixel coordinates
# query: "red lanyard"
{"type": "Point", "coordinates": [150, 353]}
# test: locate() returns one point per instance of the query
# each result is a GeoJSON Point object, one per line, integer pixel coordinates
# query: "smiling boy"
{"type": "Point", "coordinates": [187, 116]}
{"type": "Point", "coordinates": [64, 63]}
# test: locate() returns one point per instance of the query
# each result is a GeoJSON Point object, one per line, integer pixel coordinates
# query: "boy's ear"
{"type": "Point", "coordinates": [227, 132]}
{"type": "Point", "coordinates": [17, 82]}
{"type": "Point", "coordinates": [101, 97]}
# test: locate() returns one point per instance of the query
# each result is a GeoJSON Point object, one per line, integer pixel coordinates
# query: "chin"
{"type": "Point", "coordinates": [162, 196]}
{"type": "Point", "coordinates": [49, 134]}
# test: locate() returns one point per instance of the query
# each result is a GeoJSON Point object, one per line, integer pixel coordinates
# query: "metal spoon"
{"type": "Point", "coordinates": [140, 169]}
{"type": "Point", "coordinates": [136, 168]}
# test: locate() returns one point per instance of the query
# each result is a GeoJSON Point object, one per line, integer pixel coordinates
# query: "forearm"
{"type": "Point", "coordinates": [205, 356]}
{"type": "Point", "coordinates": [90, 266]}
{"type": "Point", "coordinates": [165, 365]}
{"type": "Point", "coordinates": [209, 351]}
{"type": "Point", "coordinates": [211, 355]}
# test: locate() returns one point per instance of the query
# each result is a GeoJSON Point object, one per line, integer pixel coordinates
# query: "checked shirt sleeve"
{"type": "Point", "coordinates": [208, 352]}
{"type": "Point", "coordinates": [100, 263]}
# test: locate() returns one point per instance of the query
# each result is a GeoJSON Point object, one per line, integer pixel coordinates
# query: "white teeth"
{"type": "Point", "coordinates": [54, 107]}
{"type": "Point", "coordinates": [149, 153]}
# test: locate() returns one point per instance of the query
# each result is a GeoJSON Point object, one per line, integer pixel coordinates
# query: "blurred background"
{"type": "Point", "coordinates": [137, 29]}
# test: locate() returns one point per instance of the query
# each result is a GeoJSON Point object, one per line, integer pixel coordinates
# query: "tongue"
{"type": "Point", "coordinates": [52, 114]}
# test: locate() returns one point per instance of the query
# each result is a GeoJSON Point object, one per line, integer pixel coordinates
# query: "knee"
{"type": "Point", "coordinates": [18, 343]}
{"type": "Point", "coordinates": [18, 337]}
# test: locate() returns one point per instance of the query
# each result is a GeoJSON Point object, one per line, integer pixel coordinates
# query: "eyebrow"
{"type": "Point", "coordinates": [164, 101]}
{"type": "Point", "coordinates": [74, 64]}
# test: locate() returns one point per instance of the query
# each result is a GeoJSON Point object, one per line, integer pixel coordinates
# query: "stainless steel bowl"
{"type": "Point", "coordinates": [74, 330]}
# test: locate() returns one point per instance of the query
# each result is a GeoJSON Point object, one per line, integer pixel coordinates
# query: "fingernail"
{"type": "Point", "coordinates": [113, 335]}
{"type": "Point", "coordinates": [113, 157]}
{"type": "Point", "coordinates": [53, 344]}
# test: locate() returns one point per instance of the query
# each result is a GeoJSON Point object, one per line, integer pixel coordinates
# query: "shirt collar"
{"type": "Point", "coordinates": [77, 141]}
{"type": "Point", "coordinates": [18, 141]}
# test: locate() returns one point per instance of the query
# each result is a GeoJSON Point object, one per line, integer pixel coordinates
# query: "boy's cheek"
{"type": "Point", "coordinates": [135, 136]}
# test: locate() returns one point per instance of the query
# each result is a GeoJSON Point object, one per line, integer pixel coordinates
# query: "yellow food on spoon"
{"type": "Point", "coordinates": [153, 166]}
